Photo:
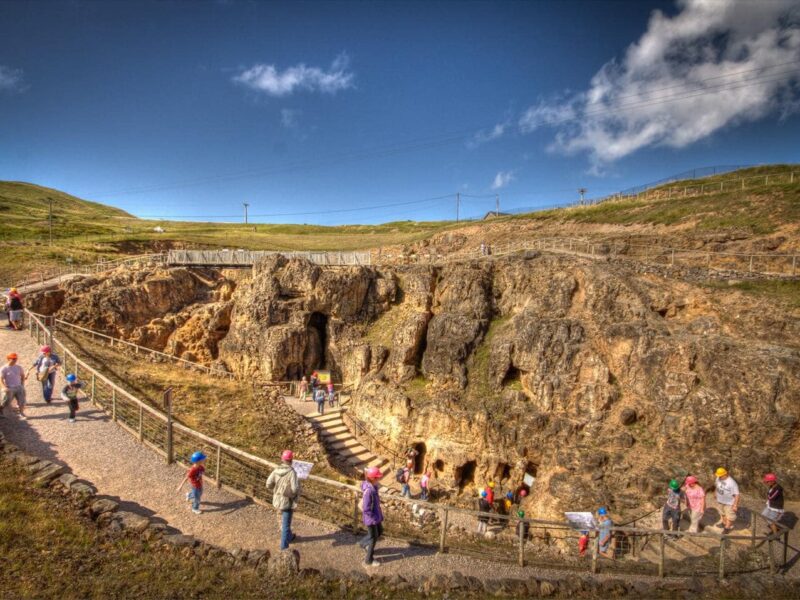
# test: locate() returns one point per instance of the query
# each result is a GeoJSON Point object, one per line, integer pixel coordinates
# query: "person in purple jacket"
{"type": "Point", "coordinates": [372, 514]}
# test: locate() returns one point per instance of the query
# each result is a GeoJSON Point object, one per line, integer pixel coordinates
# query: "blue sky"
{"type": "Point", "coordinates": [189, 109]}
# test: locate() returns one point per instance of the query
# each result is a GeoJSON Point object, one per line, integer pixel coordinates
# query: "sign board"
{"type": "Point", "coordinates": [302, 468]}
{"type": "Point", "coordinates": [582, 521]}
{"type": "Point", "coordinates": [324, 377]}
{"type": "Point", "coordinates": [528, 479]}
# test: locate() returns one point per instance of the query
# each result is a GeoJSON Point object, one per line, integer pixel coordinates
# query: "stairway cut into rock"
{"type": "Point", "coordinates": [343, 447]}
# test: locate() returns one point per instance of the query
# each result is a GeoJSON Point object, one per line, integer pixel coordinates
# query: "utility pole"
{"type": "Point", "coordinates": [497, 205]}
{"type": "Point", "coordinates": [245, 204]}
{"type": "Point", "coordinates": [582, 191]}
{"type": "Point", "coordinates": [50, 219]}
{"type": "Point", "coordinates": [458, 204]}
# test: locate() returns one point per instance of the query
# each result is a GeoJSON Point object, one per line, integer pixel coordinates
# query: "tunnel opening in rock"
{"type": "Point", "coordinates": [465, 474]}
{"type": "Point", "coordinates": [512, 378]}
{"type": "Point", "coordinates": [502, 472]}
{"type": "Point", "coordinates": [438, 465]}
{"type": "Point", "coordinates": [317, 341]}
{"type": "Point", "coordinates": [419, 461]}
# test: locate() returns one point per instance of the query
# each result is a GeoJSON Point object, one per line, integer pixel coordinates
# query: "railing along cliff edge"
{"type": "Point", "coordinates": [245, 474]}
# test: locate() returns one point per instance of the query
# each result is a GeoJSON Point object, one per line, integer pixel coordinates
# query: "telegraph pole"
{"type": "Point", "coordinates": [50, 219]}
{"type": "Point", "coordinates": [497, 205]}
{"type": "Point", "coordinates": [458, 204]}
{"type": "Point", "coordinates": [582, 191]}
{"type": "Point", "coordinates": [245, 204]}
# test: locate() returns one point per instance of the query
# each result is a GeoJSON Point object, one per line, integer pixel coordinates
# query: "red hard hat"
{"type": "Point", "coordinates": [45, 349]}
{"type": "Point", "coordinates": [770, 477]}
{"type": "Point", "coordinates": [287, 455]}
{"type": "Point", "coordinates": [691, 479]}
{"type": "Point", "coordinates": [373, 473]}
{"type": "Point", "coordinates": [523, 493]}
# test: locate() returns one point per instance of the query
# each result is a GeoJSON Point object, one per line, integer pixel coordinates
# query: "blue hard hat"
{"type": "Point", "coordinates": [602, 511]}
{"type": "Point", "coordinates": [483, 493]}
{"type": "Point", "coordinates": [197, 457]}
{"type": "Point", "coordinates": [72, 378]}
{"type": "Point", "coordinates": [509, 495]}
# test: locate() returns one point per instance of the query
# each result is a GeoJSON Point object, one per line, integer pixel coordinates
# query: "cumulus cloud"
{"type": "Point", "coordinates": [274, 82]}
{"type": "Point", "coordinates": [487, 135]}
{"type": "Point", "coordinates": [502, 179]}
{"type": "Point", "coordinates": [10, 79]}
{"type": "Point", "coordinates": [289, 117]}
{"type": "Point", "coordinates": [714, 63]}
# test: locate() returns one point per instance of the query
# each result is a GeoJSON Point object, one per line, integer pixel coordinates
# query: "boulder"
{"type": "Point", "coordinates": [103, 505]}
{"type": "Point", "coordinates": [131, 521]}
{"type": "Point", "coordinates": [179, 540]}
{"type": "Point", "coordinates": [285, 563]}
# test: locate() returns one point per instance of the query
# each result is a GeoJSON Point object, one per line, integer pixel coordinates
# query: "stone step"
{"type": "Point", "coordinates": [358, 452]}
{"type": "Point", "coordinates": [339, 436]}
{"type": "Point", "coordinates": [344, 444]}
{"type": "Point", "coordinates": [334, 415]}
{"type": "Point", "coordinates": [337, 429]}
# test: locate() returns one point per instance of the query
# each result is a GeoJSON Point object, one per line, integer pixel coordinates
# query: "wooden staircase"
{"type": "Point", "coordinates": [343, 447]}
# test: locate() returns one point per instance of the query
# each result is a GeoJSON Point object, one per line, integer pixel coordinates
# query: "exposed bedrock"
{"type": "Point", "coordinates": [601, 382]}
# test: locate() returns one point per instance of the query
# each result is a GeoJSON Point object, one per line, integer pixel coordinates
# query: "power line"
{"type": "Point", "coordinates": [448, 138]}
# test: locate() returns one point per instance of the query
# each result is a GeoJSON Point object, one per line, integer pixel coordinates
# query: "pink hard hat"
{"type": "Point", "coordinates": [770, 478]}
{"type": "Point", "coordinates": [287, 455]}
{"type": "Point", "coordinates": [45, 349]}
{"type": "Point", "coordinates": [691, 479]}
{"type": "Point", "coordinates": [373, 473]}
{"type": "Point", "coordinates": [523, 493]}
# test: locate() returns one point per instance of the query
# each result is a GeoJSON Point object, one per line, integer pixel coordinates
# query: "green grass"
{"type": "Point", "coordinates": [785, 292]}
{"type": "Point", "coordinates": [481, 392]}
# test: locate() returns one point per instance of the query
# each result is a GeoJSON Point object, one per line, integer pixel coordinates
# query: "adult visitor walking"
{"type": "Point", "coordinates": [195, 478]}
{"type": "Point", "coordinates": [671, 514]}
{"type": "Point", "coordinates": [696, 500]}
{"type": "Point", "coordinates": [12, 377]}
{"type": "Point", "coordinates": [372, 515]}
{"type": "Point", "coordinates": [285, 486]}
{"type": "Point", "coordinates": [302, 389]}
{"type": "Point", "coordinates": [70, 393]}
{"type": "Point", "coordinates": [773, 512]}
{"type": "Point", "coordinates": [46, 365]}
{"type": "Point", "coordinates": [727, 492]}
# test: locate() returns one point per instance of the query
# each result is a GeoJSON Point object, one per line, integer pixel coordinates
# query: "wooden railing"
{"type": "Point", "coordinates": [337, 502]}
{"type": "Point", "coordinates": [248, 258]}
{"type": "Point", "coordinates": [39, 277]}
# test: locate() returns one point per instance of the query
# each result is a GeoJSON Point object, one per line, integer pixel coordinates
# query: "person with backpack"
{"type": "Point", "coordinates": [484, 507]}
{"type": "Point", "coordinates": [319, 398]}
{"type": "Point", "coordinates": [671, 514]}
{"type": "Point", "coordinates": [286, 492]}
{"type": "Point", "coordinates": [46, 365]}
{"type": "Point", "coordinates": [371, 514]}
{"type": "Point", "coordinates": [331, 395]}
{"type": "Point", "coordinates": [404, 478]}
{"type": "Point", "coordinates": [70, 393]}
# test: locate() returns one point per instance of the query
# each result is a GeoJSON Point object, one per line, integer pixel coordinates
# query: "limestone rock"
{"type": "Point", "coordinates": [285, 563]}
{"type": "Point", "coordinates": [103, 505]}
{"type": "Point", "coordinates": [131, 521]}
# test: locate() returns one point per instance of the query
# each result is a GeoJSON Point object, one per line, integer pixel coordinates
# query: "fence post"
{"type": "Point", "coordinates": [521, 536]}
{"type": "Point", "coordinates": [794, 264]}
{"type": "Point", "coordinates": [168, 407]}
{"type": "Point", "coordinates": [141, 423]}
{"type": "Point", "coordinates": [661, 555]}
{"type": "Point", "coordinates": [113, 404]}
{"type": "Point", "coordinates": [742, 182]}
{"type": "Point", "coordinates": [93, 390]}
{"type": "Point", "coordinates": [752, 529]}
{"type": "Point", "coordinates": [722, 558]}
{"type": "Point", "coordinates": [217, 470]}
{"type": "Point", "coordinates": [785, 548]}
{"type": "Point", "coordinates": [355, 511]}
{"type": "Point", "coordinates": [595, 550]}
{"type": "Point", "coordinates": [634, 537]}
{"type": "Point", "coordinates": [770, 555]}
{"type": "Point", "coordinates": [751, 263]}
{"type": "Point", "coordinates": [672, 260]}
{"type": "Point", "coordinates": [443, 533]}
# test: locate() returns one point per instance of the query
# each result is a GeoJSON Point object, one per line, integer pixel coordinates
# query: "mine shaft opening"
{"type": "Point", "coordinates": [419, 461]}
{"type": "Point", "coordinates": [512, 377]}
{"type": "Point", "coordinates": [438, 465]}
{"type": "Point", "coordinates": [502, 472]}
{"type": "Point", "coordinates": [317, 341]}
{"type": "Point", "coordinates": [465, 474]}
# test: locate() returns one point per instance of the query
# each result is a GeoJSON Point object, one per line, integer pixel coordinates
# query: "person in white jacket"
{"type": "Point", "coordinates": [285, 487]}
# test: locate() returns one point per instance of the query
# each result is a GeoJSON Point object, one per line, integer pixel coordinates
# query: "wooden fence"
{"type": "Point", "coordinates": [338, 503]}
{"type": "Point", "coordinates": [248, 258]}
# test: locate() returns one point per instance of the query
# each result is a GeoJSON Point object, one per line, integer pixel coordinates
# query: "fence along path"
{"type": "Point", "coordinates": [337, 502]}
{"type": "Point", "coordinates": [247, 258]}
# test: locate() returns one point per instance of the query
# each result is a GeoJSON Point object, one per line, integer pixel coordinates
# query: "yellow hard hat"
{"type": "Point", "coordinates": [491, 484]}
{"type": "Point", "coordinates": [721, 472]}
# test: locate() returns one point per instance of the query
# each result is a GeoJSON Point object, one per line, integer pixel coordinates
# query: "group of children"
{"type": "Point", "coordinates": [318, 393]}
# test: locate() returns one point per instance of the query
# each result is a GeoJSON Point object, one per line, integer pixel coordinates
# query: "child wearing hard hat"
{"type": "Point", "coordinates": [371, 514]}
{"type": "Point", "coordinates": [671, 515]}
{"type": "Point", "coordinates": [12, 376]}
{"type": "Point", "coordinates": [696, 500]}
{"type": "Point", "coordinates": [773, 513]}
{"type": "Point", "coordinates": [285, 486]}
{"type": "Point", "coordinates": [195, 477]}
{"type": "Point", "coordinates": [727, 498]}
{"type": "Point", "coordinates": [606, 541]}
{"type": "Point", "coordinates": [70, 393]}
{"type": "Point", "coordinates": [484, 507]}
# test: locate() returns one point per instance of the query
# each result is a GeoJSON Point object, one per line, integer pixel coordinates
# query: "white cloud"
{"type": "Point", "coordinates": [273, 82]}
{"type": "Point", "coordinates": [715, 63]}
{"type": "Point", "coordinates": [289, 117]}
{"type": "Point", "coordinates": [487, 135]}
{"type": "Point", "coordinates": [502, 179]}
{"type": "Point", "coordinates": [10, 79]}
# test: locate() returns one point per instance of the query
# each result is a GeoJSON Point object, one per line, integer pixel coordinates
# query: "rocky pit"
{"type": "Point", "coordinates": [600, 382]}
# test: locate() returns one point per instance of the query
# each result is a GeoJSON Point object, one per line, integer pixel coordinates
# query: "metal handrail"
{"type": "Point", "coordinates": [357, 425]}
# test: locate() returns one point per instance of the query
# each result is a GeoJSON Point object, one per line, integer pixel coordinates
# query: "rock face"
{"type": "Point", "coordinates": [600, 382]}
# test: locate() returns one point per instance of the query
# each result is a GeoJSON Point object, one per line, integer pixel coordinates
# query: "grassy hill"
{"type": "Point", "coordinates": [85, 231]}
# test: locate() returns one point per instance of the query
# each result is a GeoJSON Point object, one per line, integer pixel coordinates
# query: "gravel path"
{"type": "Point", "coordinates": [95, 449]}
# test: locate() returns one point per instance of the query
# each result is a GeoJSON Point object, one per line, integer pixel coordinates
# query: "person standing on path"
{"type": "Point", "coordinates": [195, 476]}
{"type": "Point", "coordinates": [285, 486]}
{"type": "Point", "coordinates": [372, 515]}
{"type": "Point", "coordinates": [302, 389]}
{"type": "Point", "coordinates": [773, 513]}
{"type": "Point", "coordinates": [484, 507]}
{"type": "Point", "coordinates": [70, 393]}
{"type": "Point", "coordinates": [405, 480]}
{"type": "Point", "coordinates": [727, 498]}
{"type": "Point", "coordinates": [671, 514]}
{"type": "Point", "coordinates": [12, 377]}
{"type": "Point", "coordinates": [331, 395]}
{"type": "Point", "coordinates": [319, 398]}
{"type": "Point", "coordinates": [15, 310]}
{"type": "Point", "coordinates": [46, 365]}
{"type": "Point", "coordinates": [696, 499]}
{"type": "Point", "coordinates": [424, 484]}
{"type": "Point", "coordinates": [606, 541]}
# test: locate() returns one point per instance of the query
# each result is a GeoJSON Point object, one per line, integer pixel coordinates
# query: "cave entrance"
{"type": "Point", "coordinates": [465, 474]}
{"type": "Point", "coordinates": [419, 460]}
{"type": "Point", "coordinates": [317, 341]}
{"type": "Point", "coordinates": [502, 472]}
{"type": "Point", "coordinates": [438, 465]}
{"type": "Point", "coordinates": [512, 378]}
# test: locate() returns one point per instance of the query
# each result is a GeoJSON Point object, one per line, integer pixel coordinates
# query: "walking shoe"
{"type": "Point", "coordinates": [188, 496]}
{"type": "Point", "coordinates": [197, 511]}
{"type": "Point", "coordinates": [71, 420]}
{"type": "Point", "coordinates": [23, 417]}
{"type": "Point", "coordinates": [374, 563]}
